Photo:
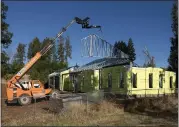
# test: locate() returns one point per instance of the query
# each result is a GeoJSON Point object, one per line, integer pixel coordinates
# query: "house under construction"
{"type": "Point", "coordinates": [115, 75]}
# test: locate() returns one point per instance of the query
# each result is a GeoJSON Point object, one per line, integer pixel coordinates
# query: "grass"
{"type": "Point", "coordinates": [104, 113]}
{"type": "Point", "coordinates": [75, 115]}
{"type": "Point", "coordinates": [78, 115]}
{"type": "Point", "coordinates": [167, 103]}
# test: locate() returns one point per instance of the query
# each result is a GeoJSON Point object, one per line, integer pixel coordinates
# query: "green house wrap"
{"type": "Point", "coordinates": [121, 79]}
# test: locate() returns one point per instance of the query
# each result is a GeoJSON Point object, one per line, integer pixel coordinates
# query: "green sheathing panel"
{"type": "Point", "coordinates": [115, 73]}
{"type": "Point", "coordinates": [128, 82]}
{"type": "Point", "coordinates": [90, 82]}
{"type": "Point", "coordinates": [143, 81]}
{"type": "Point", "coordinates": [64, 75]}
{"type": "Point", "coordinates": [67, 83]}
{"type": "Point", "coordinates": [96, 79]}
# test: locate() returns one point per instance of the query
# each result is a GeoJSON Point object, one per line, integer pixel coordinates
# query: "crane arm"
{"type": "Point", "coordinates": [22, 72]}
{"type": "Point", "coordinates": [38, 55]}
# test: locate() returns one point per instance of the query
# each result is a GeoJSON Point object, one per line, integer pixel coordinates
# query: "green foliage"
{"type": "Point", "coordinates": [68, 49]}
{"type": "Point", "coordinates": [4, 69]}
{"type": "Point", "coordinates": [54, 54]}
{"type": "Point", "coordinates": [5, 34]}
{"type": "Point", "coordinates": [4, 58]}
{"type": "Point", "coordinates": [61, 50]}
{"type": "Point", "coordinates": [33, 48]}
{"type": "Point", "coordinates": [131, 50]}
{"type": "Point", "coordinates": [40, 71]}
{"type": "Point", "coordinates": [8, 76]}
{"type": "Point", "coordinates": [5, 66]}
{"type": "Point", "coordinates": [47, 64]}
{"type": "Point", "coordinates": [127, 49]}
{"type": "Point", "coordinates": [5, 41]}
{"type": "Point", "coordinates": [174, 15]}
{"type": "Point", "coordinates": [15, 67]}
{"type": "Point", "coordinates": [49, 54]}
{"type": "Point", "coordinates": [173, 58]}
{"type": "Point", "coordinates": [19, 57]}
{"type": "Point", "coordinates": [120, 45]}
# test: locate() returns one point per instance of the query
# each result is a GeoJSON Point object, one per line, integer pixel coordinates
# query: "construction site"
{"type": "Point", "coordinates": [110, 90]}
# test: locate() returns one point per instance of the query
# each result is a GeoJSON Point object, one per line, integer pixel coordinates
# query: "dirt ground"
{"type": "Point", "coordinates": [38, 114]}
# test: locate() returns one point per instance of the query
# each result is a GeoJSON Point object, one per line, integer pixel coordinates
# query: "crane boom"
{"type": "Point", "coordinates": [38, 55]}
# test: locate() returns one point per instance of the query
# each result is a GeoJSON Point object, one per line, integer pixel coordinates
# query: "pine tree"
{"type": "Point", "coordinates": [131, 50]}
{"type": "Point", "coordinates": [48, 55]}
{"type": "Point", "coordinates": [54, 54]}
{"type": "Point", "coordinates": [5, 66]}
{"type": "Point", "coordinates": [115, 49]}
{"type": "Point", "coordinates": [120, 46]}
{"type": "Point", "coordinates": [20, 54]}
{"type": "Point", "coordinates": [6, 39]}
{"type": "Point", "coordinates": [68, 49]}
{"type": "Point", "coordinates": [19, 57]}
{"type": "Point", "coordinates": [33, 48]}
{"type": "Point", "coordinates": [173, 58]}
{"type": "Point", "coordinates": [61, 51]}
{"type": "Point", "coordinates": [5, 34]}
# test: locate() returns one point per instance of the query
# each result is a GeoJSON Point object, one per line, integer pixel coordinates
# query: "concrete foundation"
{"type": "Point", "coordinates": [57, 105]}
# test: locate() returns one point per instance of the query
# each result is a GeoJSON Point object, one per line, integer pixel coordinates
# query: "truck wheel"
{"type": "Point", "coordinates": [6, 102]}
{"type": "Point", "coordinates": [55, 94]}
{"type": "Point", "coordinates": [24, 99]}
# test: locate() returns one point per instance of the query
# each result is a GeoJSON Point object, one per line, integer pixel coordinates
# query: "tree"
{"type": "Point", "coordinates": [68, 49]}
{"type": "Point", "coordinates": [20, 54]}
{"type": "Point", "coordinates": [33, 48]}
{"type": "Point", "coordinates": [48, 55]}
{"type": "Point", "coordinates": [4, 58]}
{"type": "Point", "coordinates": [19, 57]}
{"type": "Point", "coordinates": [5, 67]}
{"type": "Point", "coordinates": [131, 50]}
{"type": "Point", "coordinates": [173, 58]}
{"type": "Point", "coordinates": [54, 54]}
{"type": "Point", "coordinates": [120, 45]}
{"type": "Point", "coordinates": [46, 64]}
{"type": "Point", "coordinates": [5, 34]}
{"type": "Point", "coordinates": [6, 37]}
{"type": "Point", "coordinates": [61, 50]}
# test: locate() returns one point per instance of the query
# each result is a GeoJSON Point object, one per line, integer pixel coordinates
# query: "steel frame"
{"type": "Point", "coordinates": [104, 62]}
{"type": "Point", "coordinates": [95, 46]}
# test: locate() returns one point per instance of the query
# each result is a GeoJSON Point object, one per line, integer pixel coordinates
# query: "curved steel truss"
{"type": "Point", "coordinates": [95, 46]}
